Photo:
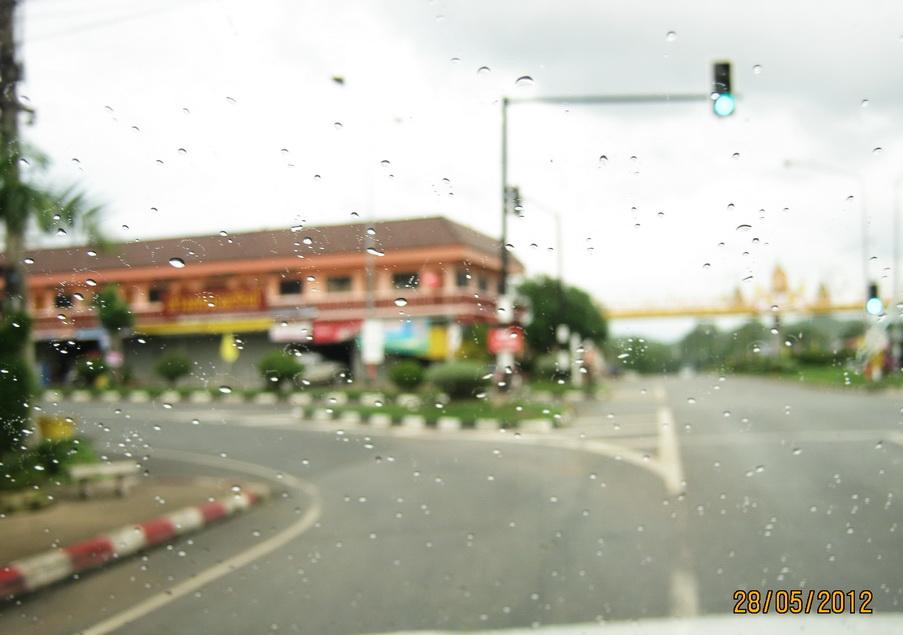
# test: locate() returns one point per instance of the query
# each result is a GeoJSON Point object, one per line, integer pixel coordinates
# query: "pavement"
{"type": "Point", "coordinates": [656, 503]}
{"type": "Point", "coordinates": [72, 520]}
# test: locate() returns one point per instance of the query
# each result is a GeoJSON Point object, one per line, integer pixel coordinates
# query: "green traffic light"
{"type": "Point", "coordinates": [724, 105]}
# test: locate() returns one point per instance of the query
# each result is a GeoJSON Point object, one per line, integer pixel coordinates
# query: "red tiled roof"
{"type": "Point", "coordinates": [390, 235]}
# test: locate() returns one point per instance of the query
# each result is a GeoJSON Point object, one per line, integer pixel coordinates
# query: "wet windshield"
{"type": "Point", "coordinates": [348, 318]}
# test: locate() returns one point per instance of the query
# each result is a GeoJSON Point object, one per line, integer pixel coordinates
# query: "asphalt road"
{"type": "Point", "coordinates": [684, 490]}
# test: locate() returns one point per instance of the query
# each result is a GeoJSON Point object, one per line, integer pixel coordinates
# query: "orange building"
{"type": "Point", "coordinates": [303, 285]}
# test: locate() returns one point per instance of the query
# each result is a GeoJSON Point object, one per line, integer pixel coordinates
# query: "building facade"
{"type": "Point", "coordinates": [309, 287]}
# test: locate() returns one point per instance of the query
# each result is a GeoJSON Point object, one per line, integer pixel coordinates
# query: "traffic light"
{"type": "Point", "coordinates": [873, 304]}
{"type": "Point", "coordinates": [723, 102]}
{"type": "Point", "coordinates": [515, 201]}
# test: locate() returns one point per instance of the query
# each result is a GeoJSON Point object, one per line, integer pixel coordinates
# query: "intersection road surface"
{"type": "Point", "coordinates": [658, 501]}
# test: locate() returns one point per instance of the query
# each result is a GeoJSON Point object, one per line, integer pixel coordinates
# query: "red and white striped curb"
{"type": "Point", "coordinates": [35, 572]}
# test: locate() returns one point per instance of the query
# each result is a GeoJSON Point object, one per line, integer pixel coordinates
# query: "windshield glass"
{"type": "Point", "coordinates": [358, 317]}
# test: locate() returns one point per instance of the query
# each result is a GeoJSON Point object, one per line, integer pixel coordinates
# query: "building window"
{"type": "Point", "coordinates": [462, 278]}
{"type": "Point", "coordinates": [155, 294]}
{"type": "Point", "coordinates": [338, 284]}
{"type": "Point", "coordinates": [63, 301]}
{"type": "Point", "coordinates": [290, 287]}
{"type": "Point", "coordinates": [406, 280]}
{"type": "Point", "coordinates": [483, 283]}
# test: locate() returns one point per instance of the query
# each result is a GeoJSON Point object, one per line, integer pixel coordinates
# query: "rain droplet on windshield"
{"type": "Point", "coordinates": [670, 36]}
{"type": "Point", "coordinates": [178, 263]}
{"type": "Point", "coordinates": [524, 80]}
{"type": "Point", "coordinates": [401, 302]}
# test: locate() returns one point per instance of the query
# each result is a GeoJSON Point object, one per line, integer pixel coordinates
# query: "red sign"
{"type": "Point", "coordinates": [220, 301]}
{"type": "Point", "coordinates": [507, 339]}
{"type": "Point", "coordinates": [335, 332]}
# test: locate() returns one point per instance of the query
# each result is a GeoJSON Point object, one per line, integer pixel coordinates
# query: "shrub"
{"type": "Point", "coordinates": [16, 388]}
{"type": "Point", "coordinates": [459, 380]}
{"type": "Point", "coordinates": [17, 384]}
{"type": "Point", "coordinates": [88, 369]}
{"type": "Point", "coordinates": [546, 367]}
{"type": "Point", "coordinates": [821, 358]}
{"type": "Point", "coordinates": [173, 366]}
{"type": "Point", "coordinates": [49, 459]}
{"type": "Point", "coordinates": [406, 374]}
{"type": "Point", "coordinates": [278, 367]}
{"type": "Point", "coordinates": [762, 365]}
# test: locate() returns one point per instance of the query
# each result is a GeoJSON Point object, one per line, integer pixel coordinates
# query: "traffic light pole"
{"type": "Point", "coordinates": [505, 361]}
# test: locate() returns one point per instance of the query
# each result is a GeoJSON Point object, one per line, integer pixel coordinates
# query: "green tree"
{"type": "Point", "coordinates": [116, 318]}
{"type": "Point", "coordinates": [16, 383]}
{"type": "Point", "coordinates": [743, 341]}
{"type": "Point", "coordinates": [553, 303]}
{"type": "Point", "coordinates": [27, 205]}
{"type": "Point", "coordinates": [701, 347]}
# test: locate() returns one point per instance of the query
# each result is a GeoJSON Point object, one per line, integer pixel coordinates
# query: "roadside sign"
{"type": "Point", "coordinates": [508, 339]}
{"type": "Point", "coordinates": [373, 342]}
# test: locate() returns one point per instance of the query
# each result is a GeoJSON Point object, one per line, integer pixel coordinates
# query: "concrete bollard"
{"type": "Point", "coordinates": [413, 422]}
{"type": "Point", "coordinates": [139, 396]}
{"type": "Point", "coordinates": [448, 424]}
{"type": "Point", "coordinates": [300, 399]}
{"type": "Point", "coordinates": [380, 420]}
{"type": "Point", "coordinates": [487, 424]}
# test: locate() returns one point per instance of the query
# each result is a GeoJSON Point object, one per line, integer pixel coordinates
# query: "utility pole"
{"type": "Point", "coordinates": [10, 154]}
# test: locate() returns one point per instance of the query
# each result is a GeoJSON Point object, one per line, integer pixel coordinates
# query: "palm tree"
{"type": "Point", "coordinates": [27, 206]}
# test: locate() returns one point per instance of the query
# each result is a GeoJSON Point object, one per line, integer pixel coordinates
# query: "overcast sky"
{"type": "Point", "coordinates": [245, 89]}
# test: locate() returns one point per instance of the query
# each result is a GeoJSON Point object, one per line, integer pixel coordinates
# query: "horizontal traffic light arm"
{"type": "Point", "coordinates": [610, 99]}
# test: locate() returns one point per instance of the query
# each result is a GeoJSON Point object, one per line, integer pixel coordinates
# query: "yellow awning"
{"type": "Point", "coordinates": [206, 326]}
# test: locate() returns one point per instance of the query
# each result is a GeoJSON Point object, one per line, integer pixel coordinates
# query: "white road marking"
{"type": "Point", "coordinates": [668, 451]}
{"type": "Point", "coordinates": [231, 564]}
{"type": "Point", "coordinates": [684, 593]}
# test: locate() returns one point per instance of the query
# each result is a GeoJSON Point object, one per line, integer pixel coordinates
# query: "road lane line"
{"type": "Point", "coordinates": [668, 451]}
{"type": "Point", "coordinates": [263, 548]}
{"type": "Point", "coordinates": [684, 593]}
{"type": "Point", "coordinates": [684, 590]}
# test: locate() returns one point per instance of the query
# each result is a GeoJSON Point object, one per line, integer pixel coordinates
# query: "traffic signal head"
{"type": "Point", "coordinates": [723, 101]}
{"type": "Point", "coordinates": [873, 304]}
